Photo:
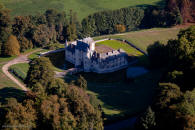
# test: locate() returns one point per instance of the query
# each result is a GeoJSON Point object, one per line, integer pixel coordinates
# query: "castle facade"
{"type": "Point", "coordinates": [83, 55]}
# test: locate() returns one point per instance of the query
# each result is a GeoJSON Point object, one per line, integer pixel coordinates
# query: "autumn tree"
{"type": "Point", "coordinates": [120, 28]}
{"type": "Point", "coordinates": [11, 47]}
{"type": "Point", "coordinates": [21, 115]}
{"type": "Point", "coordinates": [56, 114]}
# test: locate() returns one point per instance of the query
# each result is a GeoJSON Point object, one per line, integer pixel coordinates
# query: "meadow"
{"type": "Point", "coordinates": [143, 38]}
{"type": "Point", "coordinates": [82, 7]}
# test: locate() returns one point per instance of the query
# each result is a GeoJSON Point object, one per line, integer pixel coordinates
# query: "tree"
{"type": "Point", "coordinates": [154, 52]}
{"type": "Point", "coordinates": [56, 114]}
{"type": "Point", "coordinates": [147, 120]}
{"type": "Point", "coordinates": [40, 71]}
{"type": "Point", "coordinates": [81, 82]}
{"type": "Point", "coordinates": [5, 26]}
{"type": "Point", "coordinates": [168, 94]}
{"type": "Point", "coordinates": [120, 28]}
{"type": "Point", "coordinates": [11, 47]}
{"type": "Point", "coordinates": [21, 115]}
{"type": "Point", "coordinates": [71, 29]}
{"type": "Point", "coordinates": [21, 26]}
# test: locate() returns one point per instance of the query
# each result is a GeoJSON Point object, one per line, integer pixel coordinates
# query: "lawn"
{"type": "Point", "coordinates": [36, 54]}
{"type": "Point", "coordinates": [121, 99]}
{"type": "Point", "coordinates": [142, 39]}
{"type": "Point", "coordinates": [117, 45]}
{"type": "Point", "coordinates": [19, 70]}
{"type": "Point", "coordinates": [82, 7]}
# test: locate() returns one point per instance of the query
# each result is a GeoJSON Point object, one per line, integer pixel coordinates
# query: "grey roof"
{"type": "Point", "coordinates": [82, 46]}
{"type": "Point", "coordinates": [71, 48]}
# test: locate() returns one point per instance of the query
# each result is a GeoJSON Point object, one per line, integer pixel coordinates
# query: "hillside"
{"type": "Point", "coordinates": [82, 7]}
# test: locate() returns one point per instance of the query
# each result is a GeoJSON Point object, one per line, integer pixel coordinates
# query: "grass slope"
{"type": "Point", "coordinates": [119, 99]}
{"type": "Point", "coordinates": [20, 70]}
{"type": "Point", "coordinates": [82, 7]}
{"type": "Point", "coordinates": [117, 45]}
{"type": "Point", "coordinates": [142, 39]}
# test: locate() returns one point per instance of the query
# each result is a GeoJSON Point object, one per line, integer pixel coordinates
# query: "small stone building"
{"type": "Point", "coordinates": [83, 55]}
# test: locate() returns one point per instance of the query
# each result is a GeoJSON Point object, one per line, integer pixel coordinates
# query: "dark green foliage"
{"type": "Point", "coordinates": [175, 106]}
{"type": "Point", "coordinates": [19, 74]}
{"type": "Point", "coordinates": [5, 26]}
{"type": "Point", "coordinates": [21, 26]}
{"type": "Point", "coordinates": [105, 22]}
{"type": "Point", "coordinates": [168, 93]}
{"type": "Point", "coordinates": [133, 18]}
{"type": "Point", "coordinates": [147, 121]}
{"type": "Point", "coordinates": [157, 55]}
{"type": "Point", "coordinates": [40, 71]}
{"type": "Point", "coordinates": [81, 82]}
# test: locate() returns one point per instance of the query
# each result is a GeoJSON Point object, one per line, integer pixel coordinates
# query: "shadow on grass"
{"type": "Point", "coordinates": [118, 94]}
{"type": "Point", "coordinates": [10, 92]}
{"type": "Point", "coordinates": [58, 60]}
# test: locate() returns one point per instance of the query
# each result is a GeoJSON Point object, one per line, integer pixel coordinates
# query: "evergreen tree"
{"type": "Point", "coordinates": [71, 30]}
{"type": "Point", "coordinates": [147, 120]}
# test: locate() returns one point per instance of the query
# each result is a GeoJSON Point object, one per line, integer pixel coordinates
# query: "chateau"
{"type": "Point", "coordinates": [83, 55]}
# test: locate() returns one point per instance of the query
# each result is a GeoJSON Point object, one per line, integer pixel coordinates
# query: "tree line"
{"type": "Point", "coordinates": [41, 30]}
{"type": "Point", "coordinates": [174, 105]}
{"type": "Point", "coordinates": [129, 19]}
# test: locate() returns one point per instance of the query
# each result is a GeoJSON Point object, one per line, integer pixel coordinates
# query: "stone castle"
{"type": "Point", "coordinates": [83, 55]}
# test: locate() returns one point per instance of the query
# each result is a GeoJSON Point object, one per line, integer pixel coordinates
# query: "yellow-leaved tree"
{"type": "Point", "coordinates": [12, 46]}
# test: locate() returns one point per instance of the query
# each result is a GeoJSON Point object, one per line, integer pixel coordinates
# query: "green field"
{"type": "Point", "coordinates": [121, 99]}
{"type": "Point", "coordinates": [117, 45]}
{"type": "Point", "coordinates": [142, 39]}
{"type": "Point", "coordinates": [8, 88]}
{"type": "Point", "coordinates": [82, 7]}
{"type": "Point", "coordinates": [20, 70]}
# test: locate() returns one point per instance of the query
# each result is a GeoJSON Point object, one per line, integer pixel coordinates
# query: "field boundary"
{"type": "Point", "coordinates": [126, 41]}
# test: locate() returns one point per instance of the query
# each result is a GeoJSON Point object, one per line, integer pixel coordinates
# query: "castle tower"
{"type": "Point", "coordinates": [92, 46]}
{"type": "Point", "coordinates": [66, 43]}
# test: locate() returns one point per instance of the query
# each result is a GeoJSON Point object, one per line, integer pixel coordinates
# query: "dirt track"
{"type": "Point", "coordinates": [20, 59]}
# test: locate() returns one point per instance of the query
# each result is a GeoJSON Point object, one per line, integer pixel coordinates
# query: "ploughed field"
{"type": "Point", "coordinates": [82, 7]}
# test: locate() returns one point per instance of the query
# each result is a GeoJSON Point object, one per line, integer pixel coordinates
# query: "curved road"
{"type": "Point", "coordinates": [20, 59]}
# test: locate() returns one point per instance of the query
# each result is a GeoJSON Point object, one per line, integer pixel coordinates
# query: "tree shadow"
{"type": "Point", "coordinates": [10, 92]}
{"type": "Point", "coordinates": [160, 4]}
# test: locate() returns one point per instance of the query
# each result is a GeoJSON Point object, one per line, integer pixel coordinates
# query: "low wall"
{"type": "Point", "coordinates": [131, 44]}
{"type": "Point", "coordinates": [52, 51]}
